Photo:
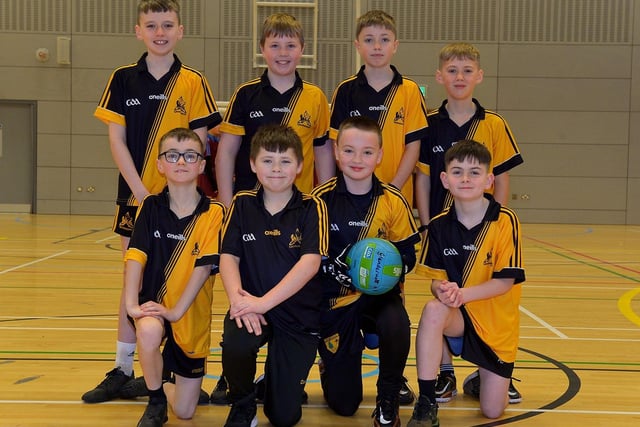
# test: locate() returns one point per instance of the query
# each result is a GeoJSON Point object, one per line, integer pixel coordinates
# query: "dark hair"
{"type": "Point", "coordinates": [468, 149]}
{"type": "Point", "coordinates": [276, 139]}
{"type": "Point", "coordinates": [362, 123]}
{"type": "Point", "coordinates": [146, 6]}
{"type": "Point", "coordinates": [376, 18]}
{"type": "Point", "coordinates": [181, 134]}
{"type": "Point", "coordinates": [281, 25]}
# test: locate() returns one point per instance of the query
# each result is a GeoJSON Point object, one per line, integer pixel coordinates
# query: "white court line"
{"type": "Point", "coordinates": [542, 322]}
{"type": "Point", "coordinates": [520, 409]}
{"type": "Point", "coordinates": [106, 238]}
{"type": "Point", "coordinates": [34, 262]}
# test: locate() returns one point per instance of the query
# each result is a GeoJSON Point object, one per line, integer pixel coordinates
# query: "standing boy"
{"type": "Point", "coordinates": [380, 92]}
{"type": "Point", "coordinates": [273, 241]}
{"type": "Point", "coordinates": [473, 257]}
{"type": "Point", "coordinates": [142, 102]}
{"type": "Point", "coordinates": [461, 117]}
{"type": "Point", "coordinates": [278, 96]}
{"type": "Point", "coordinates": [168, 293]}
{"type": "Point", "coordinates": [361, 206]}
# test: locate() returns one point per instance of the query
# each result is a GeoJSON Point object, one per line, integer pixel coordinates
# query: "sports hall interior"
{"type": "Point", "coordinates": [564, 73]}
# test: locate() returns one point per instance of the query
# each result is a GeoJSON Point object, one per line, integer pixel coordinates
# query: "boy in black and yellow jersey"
{"type": "Point", "coordinates": [472, 256]}
{"type": "Point", "coordinates": [380, 92]}
{"type": "Point", "coordinates": [142, 102]}
{"type": "Point", "coordinates": [167, 284]}
{"type": "Point", "coordinates": [279, 96]}
{"type": "Point", "coordinates": [362, 206]}
{"type": "Point", "coordinates": [273, 242]}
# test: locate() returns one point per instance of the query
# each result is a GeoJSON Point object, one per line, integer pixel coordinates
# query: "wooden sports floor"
{"type": "Point", "coordinates": [579, 358]}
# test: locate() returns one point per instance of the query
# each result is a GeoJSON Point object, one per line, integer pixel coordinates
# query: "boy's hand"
{"type": "Point", "coordinates": [135, 312]}
{"type": "Point", "coordinates": [253, 322]}
{"type": "Point", "coordinates": [246, 304]}
{"type": "Point", "coordinates": [449, 294]}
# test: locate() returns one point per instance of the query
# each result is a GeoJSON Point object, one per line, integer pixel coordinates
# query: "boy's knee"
{"type": "Point", "coordinates": [282, 419]}
{"type": "Point", "coordinates": [492, 411]}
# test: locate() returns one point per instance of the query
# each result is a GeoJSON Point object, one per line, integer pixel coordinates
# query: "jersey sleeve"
{"type": "Point", "coordinates": [235, 114]}
{"type": "Point", "coordinates": [110, 108]}
{"type": "Point", "coordinates": [508, 258]}
{"type": "Point", "coordinates": [505, 152]}
{"type": "Point", "coordinates": [209, 253]}
{"type": "Point", "coordinates": [415, 116]}
{"type": "Point", "coordinates": [140, 243]}
{"type": "Point", "coordinates": [315, 236]}
{"type": "Point", "coordinates": [339, 111]}
{"type": "Point", "coordinates": [205, 111]}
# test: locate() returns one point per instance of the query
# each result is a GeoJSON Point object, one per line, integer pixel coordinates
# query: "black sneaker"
{"type": "Point", "coordinates": [425, 414]}
{"type": "Point", "coordinates": [109, 388]}
{"type": "Point", "coordinates": [243, 414]}
{"type": "Point", "coordinates": [406, 396]}
{"type": "Point", "coordinates": [134, 388]}
{"type": "Point", "coordinates": [219, 395]}
{"type": "Point", "coordinates": [446, 387]}
{"type": "Point", "coordinates": [386, 413]}
{"type": "Point", "coordinates": [471, 387]}
{"type": "Point", "coordinates": [154, 416]}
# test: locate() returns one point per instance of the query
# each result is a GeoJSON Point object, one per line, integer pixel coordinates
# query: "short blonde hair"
{"type": "Point", "coordinates": [281, 25]}
{"type": "Point", "coordinates": [459, 50]}
{"type": "Point", "coordinates": [376, 18]}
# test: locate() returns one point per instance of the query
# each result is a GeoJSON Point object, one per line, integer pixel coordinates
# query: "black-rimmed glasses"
{"type": "Point", "coordinates": [174, 156]}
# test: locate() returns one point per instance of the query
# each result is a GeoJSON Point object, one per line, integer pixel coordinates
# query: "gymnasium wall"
{"type": "Point", "coordinates": [563, 72]}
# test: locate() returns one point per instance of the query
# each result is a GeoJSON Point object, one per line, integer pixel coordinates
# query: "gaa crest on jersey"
{"type": "Point", "coordinates": [399, 117]}
{"type": "Point", "coordinates": [305, 120]}
{"type": "Point", "coordinates": [181, 107]}
{"type": "Point", "coordinates": [332, 343]}
{"type": "Point", "coordinates": [296, 239]}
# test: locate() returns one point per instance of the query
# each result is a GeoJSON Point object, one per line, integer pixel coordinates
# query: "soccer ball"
{"type": "Point", "coordinates": [375, 265]}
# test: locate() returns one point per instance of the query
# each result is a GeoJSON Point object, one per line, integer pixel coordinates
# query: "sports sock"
{"type": "Point", "coordinates": [124, 356]}
{"type": "Point", "coordinates": [447, 367]}
{"type": "Point", "coordinates": [157, 396]}
{"type": "Point", "coordinates": [428, 388]}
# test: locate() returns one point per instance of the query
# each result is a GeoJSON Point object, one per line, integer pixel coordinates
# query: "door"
{"type": "Point", "coordinates": [17, 156]}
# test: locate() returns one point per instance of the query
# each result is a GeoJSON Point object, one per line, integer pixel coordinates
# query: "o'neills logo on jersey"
{"type": "Point", "coordinates": [358, 224]}
{"type": "Point", "coordinates": [248, 237]}
{"type": "Point", "coordinates": [470, 247]}
{"type": "Point", "coordinates": [275, 232]}
{"type": "Point", "coordinates": [377, 108]}
{"type": "Point", "coordinates": [159, 97]}
{"type": "Point", "coordinates": [281, 110]}
{"type": "Point", "coordinates": [450, 252]}
{"type": "Point", "coordinates": [132, 101]}
{"type": "Point", "coordinates": [255, 114]}
{"type": "Point", "coordinates": [176, 236]}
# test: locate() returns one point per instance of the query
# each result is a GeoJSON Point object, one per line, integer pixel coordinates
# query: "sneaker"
{"type": "Point", "coordinates": [514, 395]}
{"type": "Point", "coordinates": [219, 395]}
{"type": "Point", "coordinates": [109, 388]}
{"type": "Point", "coordinates": [425, 414]}
{"type": "Point", "coordinates": [471, 387]}
{"type": "Point", "coordinates": [134, 388]}
{"type": "Point", "coordinates": [243, 414]}
{"type": "Point", "coordinates": [406, 396]}
{"type": "Point", "coordinates": [445, 387]}
{"type": "Point", "coordinates": [154, 416]}
{"type": "Point", "coordinates": [386, 413]}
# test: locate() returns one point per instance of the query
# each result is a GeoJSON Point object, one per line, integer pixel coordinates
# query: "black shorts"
{"type": "Point", "coordinates": [124, 219]}
{"type": "Point", "coordinates": [477, 351]}
{"type": "Point", "coordinates": [175, 360]}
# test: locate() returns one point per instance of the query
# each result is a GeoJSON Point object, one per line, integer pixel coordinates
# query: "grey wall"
{"type": "Point", "coordinates": [563, 73]}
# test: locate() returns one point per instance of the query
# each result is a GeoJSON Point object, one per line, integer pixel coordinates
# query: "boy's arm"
{"type": "Point", "coordinates": [407, 164]}
{"type": "Point", "coordinates": [132, 281]}
{"type": "Point", "coordinates": [325, 164]}
{"type": "Point", "coordinates": [228, 148]}
{"type": "Point", "coordinates": [202, 133]}
{"type": "Point", "coordinates": [501, 188]}
{"type": "Point", "coordinates": [198, 277]}
{"type": "Point", "coordinates": [421, 196]}
{"type": "Point", "coordinates": [303, 271]}
{"type": "Point", "coordinates": [124, 161]}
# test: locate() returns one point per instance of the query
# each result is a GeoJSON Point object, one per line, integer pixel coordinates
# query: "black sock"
{"type": "Point", "coordinates": [157, 396]}
{"type": "Point", "coordinates": [428, 388]}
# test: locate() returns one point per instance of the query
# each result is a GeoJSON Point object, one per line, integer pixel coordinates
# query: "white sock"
{"type": "Point", "coordinates": [124, 356]}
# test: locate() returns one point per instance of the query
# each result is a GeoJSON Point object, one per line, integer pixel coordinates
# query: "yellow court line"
{"type": "Point", "coordinates": [624, 305]}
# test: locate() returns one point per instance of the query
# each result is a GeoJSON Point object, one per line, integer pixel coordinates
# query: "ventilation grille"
{"type": "Point", "coordinates": [236, 19]}
{"type": "Point", "coordinates": [568, 21]}
{"type": "Point", "coordinates": [34, 16]}
{"type": "Point", "coordinates": [443, 20]}
{"type": "Point", "coordinates": [334, 65]}
{"type": "Point", "coordinates": [120, 16]}
{"type": "Point", "coordinates": [235, 66]}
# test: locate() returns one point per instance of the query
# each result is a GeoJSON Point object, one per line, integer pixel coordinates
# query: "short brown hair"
{"type": "Point", "coordinates": [146, 6]}
{"type": "Point", "coordinates": [276, 139]}
{"type": "Point", "coordinates": [459, 51]}
{"type": "Point", "coordinates": [376, 18]}
{"type": "Point", "coordinates": [363, 123]}
{"type": "Point", "coordinates": [281, 25]}
{"type": "Point", "coordinates": [468, 149]}
{"type": "Point", "coordinates": [181, 134]}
